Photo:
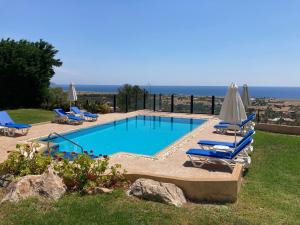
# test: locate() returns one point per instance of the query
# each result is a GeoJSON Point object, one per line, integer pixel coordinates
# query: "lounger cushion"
{"type": "Point", "coordinates": [87, 114]}
{"type": "Point", "coordinates": [212, 143]}
{"type": "Point", "coordinates": [220, 154]}
{"type": "Point", "coordinates": [225, 123]}
{"type": "Point", "coordinates": [61, 112]}
{"type": "Point", "coordinates": [5, 120]}
{"type": "Point", "coordinates": [210, 153]}
{"type": "Point", "coordinates": [17, 125]}
{"type": "Point", "coordinates": [76, 110]}
{"type": "Point", "coordinates": [223, 126]}
{"type": "Point", "coordinates": [229, 144]}
{"type": "Point", "coordinates": [72, 117]}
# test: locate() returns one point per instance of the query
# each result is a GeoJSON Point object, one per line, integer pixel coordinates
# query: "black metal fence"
{"type": "Point", "coordinates": [165, 103]}
{"type": "Point", "coordinates": [155, 102]}
{"type": "Point", "coordinates": [275, 111]}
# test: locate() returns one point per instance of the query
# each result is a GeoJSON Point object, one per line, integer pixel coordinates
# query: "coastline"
{"type": "Point", "coordinates": [218, 91]}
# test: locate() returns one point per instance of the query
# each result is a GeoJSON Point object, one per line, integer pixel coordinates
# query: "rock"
{"type": "Point", "coordinates": [157, 191]}
{"type": "Point", "coordinates": [5, 180]}
{"type": "Point", "coordinates": [99, 190]}
{"type": "Point", "coordinates": [102, 190]}
{"type": "Point", "coordinates": [48, 185]}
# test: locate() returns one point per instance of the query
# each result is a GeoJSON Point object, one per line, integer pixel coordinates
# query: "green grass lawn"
{"type": "Point", "coordinates": [270, 194]}
{"type": "Point", "coordinates": [30, 116]}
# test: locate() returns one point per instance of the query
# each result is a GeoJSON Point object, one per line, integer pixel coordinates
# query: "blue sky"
{"type": "Point", "coordinates": [164, 42]}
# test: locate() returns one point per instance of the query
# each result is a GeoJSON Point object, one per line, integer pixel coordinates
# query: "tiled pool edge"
{"type": "Point", "coordinates": [162, 154]}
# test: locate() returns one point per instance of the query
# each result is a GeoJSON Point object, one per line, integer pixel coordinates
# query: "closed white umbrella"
{"type": "Point", "coordinates": [72, 94]}
{"type": "Point", "coordinates": [245, 97]}
{"type": "Point", "coordinates": [233, 110]}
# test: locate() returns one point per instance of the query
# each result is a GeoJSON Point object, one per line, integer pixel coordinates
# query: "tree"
{"type": "Point", "coordinates": [133, 92]}
{"type": "Point", "coordinates": [56, 98]}
{"type": "Point", "coordinates": [25, 72]}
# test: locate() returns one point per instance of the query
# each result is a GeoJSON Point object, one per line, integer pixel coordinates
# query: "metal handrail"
{"type": "Point", "coordinates": [74, 143]}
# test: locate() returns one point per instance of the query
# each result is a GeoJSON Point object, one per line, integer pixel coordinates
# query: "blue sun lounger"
{"type": "Point", "coordinates": [10, 127]}
{"type": "Point", "coordinates": [63, 117]}
{"type": "Point", "coordinates": [209, 143]}
{"type": "Point", "coordinates": [239, 155]}
{"type": "Point", "coordinates": [250, 117]}
{"type": "Point", "coordinates": [86, 115]}
{"type": "Point", "coordinates": [243, 128]}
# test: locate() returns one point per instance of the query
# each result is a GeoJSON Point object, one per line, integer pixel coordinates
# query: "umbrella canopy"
{"type": "Point", "coordinates": [245, 96]}
{"type": "Point", "coordinates": [72, 95]}
{"type": "Point", "coordinates": [233, 110]}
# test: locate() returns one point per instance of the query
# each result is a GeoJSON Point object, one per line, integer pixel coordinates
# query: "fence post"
{"type": "Point", "coordinates": [192, 104]}
{"type": "Point", "coordinates": [115, 103]}
{"type": "Point", "coordinates": [126, 103]}
{"type": "Point", "coordinates": [154, 101]}
{"type": "Point", "coordinates": [136, 102]}
{"type": "Point", "coordinates": [213, 105]}
{"type": "Point", "coordinates": [144, 103]}
{"type": "Point", "coordinates": [159, 103]}
{"type": "Point", "coordinates": [172, 103]}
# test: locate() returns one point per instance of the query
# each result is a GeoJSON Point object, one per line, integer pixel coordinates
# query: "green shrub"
{"type": "Point", "coordinates": [95, 107]}
{"type": "Point", "coordinates": [81, 174]}
{"type": "Point", "coordinates": [85, 173]}
{"type": "Point", "coordinates": [25, 160]}
{"type": "Point", "coordinates": [131, 91]}
{"type": "Point", "coordinates": [91, 107]}
{"type": "Point", "coordinates": [56, 98]}
{"type": "Point", "coordinates": [104, 108]}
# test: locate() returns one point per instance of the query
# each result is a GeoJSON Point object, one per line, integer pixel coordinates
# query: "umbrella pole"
{"type": "Point", "coordinates": [235, 137]}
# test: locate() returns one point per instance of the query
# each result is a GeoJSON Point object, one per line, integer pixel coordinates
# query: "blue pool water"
{"type": "Point", "coordinates": [145, 135]}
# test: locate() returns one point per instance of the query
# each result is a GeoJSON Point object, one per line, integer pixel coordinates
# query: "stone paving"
{"type": "Point", "coordinates": [171, 161]}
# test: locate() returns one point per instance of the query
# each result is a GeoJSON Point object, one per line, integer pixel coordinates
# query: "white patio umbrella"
{"type": "Point", "coordinates": [72, 95]}
{"type": "Point", "coordinates": [233, 110]}
{"type": "Point", "coordinates": [245, 96]}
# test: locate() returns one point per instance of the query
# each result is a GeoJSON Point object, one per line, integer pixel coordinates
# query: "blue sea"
{"type": "Point", "coordinates": [268, 92]}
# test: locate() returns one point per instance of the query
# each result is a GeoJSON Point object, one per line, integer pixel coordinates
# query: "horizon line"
{"type": "Point", "coordinates": [161, 85]}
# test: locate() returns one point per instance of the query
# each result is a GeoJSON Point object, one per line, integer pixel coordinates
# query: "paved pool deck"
{"type": "Point", "coordinates": [211, 182]}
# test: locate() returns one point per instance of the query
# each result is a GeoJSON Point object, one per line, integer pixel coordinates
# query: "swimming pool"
{"type": "Point", "coordinates": [145, 135]}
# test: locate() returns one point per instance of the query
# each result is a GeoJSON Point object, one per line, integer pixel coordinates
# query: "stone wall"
{"type": "Point", "coordinates": [275, 128]}
{"type": "Point", "coordinates": [212, 190]}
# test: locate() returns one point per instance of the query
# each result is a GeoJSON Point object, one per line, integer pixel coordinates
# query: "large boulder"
{"type": "Point", "coordinates": [48, 185]}
{"type": "Point", "coordinates": [157, 191]}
